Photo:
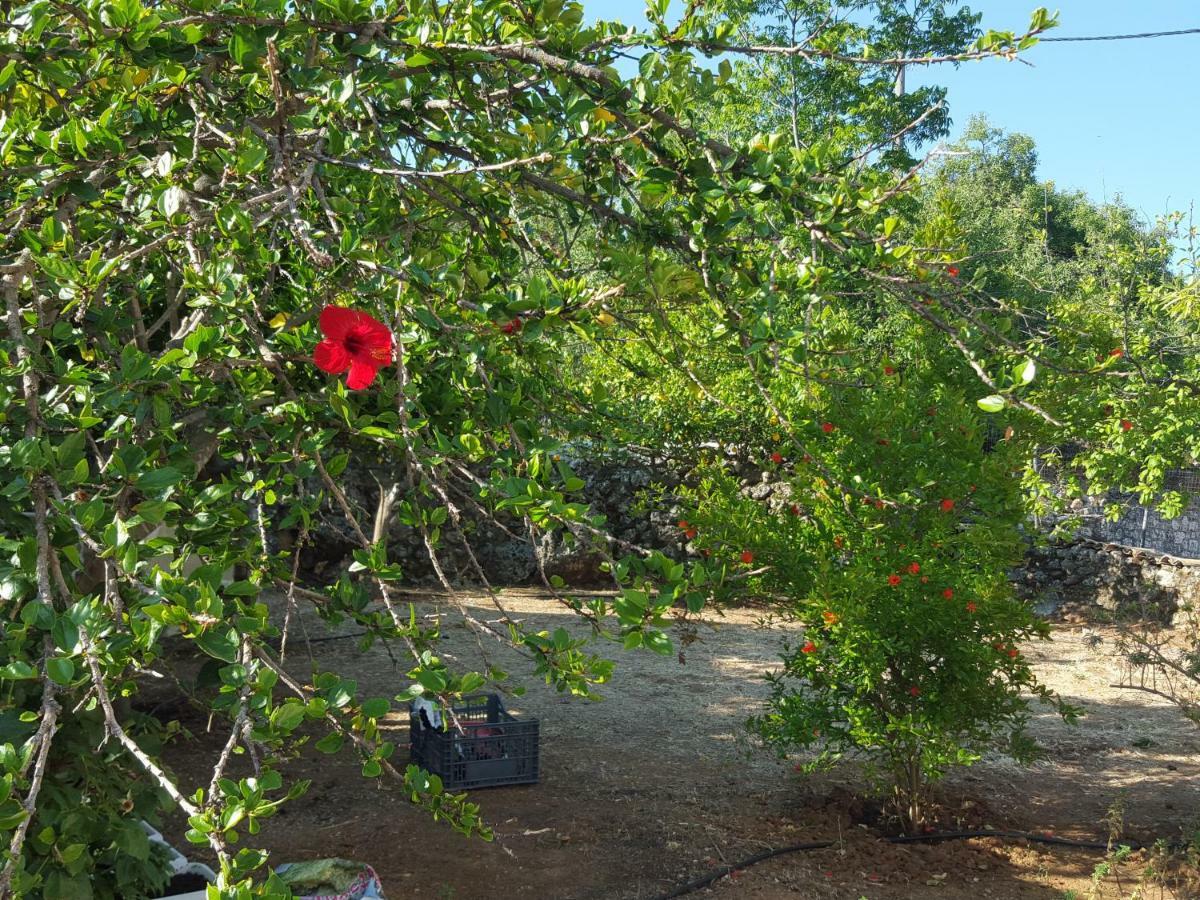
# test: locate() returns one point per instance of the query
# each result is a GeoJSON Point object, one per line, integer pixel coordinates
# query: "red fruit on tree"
{"type": "Point", "coordinates": [354, 341]}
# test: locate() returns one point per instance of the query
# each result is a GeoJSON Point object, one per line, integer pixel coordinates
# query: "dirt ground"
{"type": "Point", "coordinates": [655, 786]}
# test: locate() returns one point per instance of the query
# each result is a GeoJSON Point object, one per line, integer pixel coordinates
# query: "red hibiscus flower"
{"type": "Point", "coordinates": [914, 568]}
{"type": "Point", "coordinates": [831, 618]}
{"type": "Point", "coordinates": [947, 505]}
{"type": "Point", "coordinates": [747, 557]}
{"type": "Point", "coordinates": [809, 647]}
{"type": "Point", "coordinates": [952, 271]}
{"type": "Point", "coordinates": [1126, 425]}
{"type": "Point", "coordinates": [893, 580]}
{"type": "Point", "coordinates": [828, 427]}
{"type": "Point", "coordinates": [777, 457]}
{"type": "Point", "coordinates": [971, 607]}
{"type": "Point", "coordinates": [354, 341]}
{"type": "Point", "coordinates": [948, 593]}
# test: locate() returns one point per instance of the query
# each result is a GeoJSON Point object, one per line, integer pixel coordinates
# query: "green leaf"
{"type": "Point", "coordinates": [287, 716]}
{"type": "Point", "coordinates": [60, 669]}
{"type": "Point", "coordinates": [172, 200]}
{"type": "Point", "coordinates": [18, 670]}
{"type": "Point", "coordinates": [376, 707]}
{"type": "Point", "coordinates": [1025, 371]}
{"type": "Point", "coordinates": [158, 479]}
{"type": "Point", "coordinates": [992, 404]}
{"type": "Point", "coordinates": [220, 641]}
{"type": "Point", "coordinates": [331, 743]}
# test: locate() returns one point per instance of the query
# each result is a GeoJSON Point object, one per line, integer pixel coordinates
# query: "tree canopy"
{"type": "Point", "coordinates": [538, 251]}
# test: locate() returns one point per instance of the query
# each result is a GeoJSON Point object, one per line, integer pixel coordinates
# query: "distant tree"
{"type": "Point", "coordinates": [828, 98]}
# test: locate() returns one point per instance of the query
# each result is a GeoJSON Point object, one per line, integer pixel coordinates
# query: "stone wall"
{"type": "Point", "coordinates": [1081, 578]}
{"type": "Point", "coordinates": [1088, 572]}
{"type": "Point", "coordinates": [614, 485]}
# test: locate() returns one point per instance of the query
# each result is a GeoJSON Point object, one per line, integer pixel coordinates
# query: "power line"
{"type": "Point", "coordinates": [1125, 37]}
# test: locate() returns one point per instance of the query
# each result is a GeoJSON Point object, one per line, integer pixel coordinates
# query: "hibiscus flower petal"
{"type": "Point", "coordinates": [362, 373]}
{"type": "Point", "coordinates": [330, 356]}
{"type": "Point", "coordinates": [337, 321]}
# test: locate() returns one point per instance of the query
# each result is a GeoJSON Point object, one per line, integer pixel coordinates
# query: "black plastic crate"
{"type": "Point", "coordinates": [493, 748]}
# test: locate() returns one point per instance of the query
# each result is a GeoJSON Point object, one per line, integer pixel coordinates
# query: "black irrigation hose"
{"type": "Point", "coordinates": [718, 874]}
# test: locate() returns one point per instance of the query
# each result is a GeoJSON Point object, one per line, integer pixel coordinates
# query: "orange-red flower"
{"type": "Point", "coordinates": [948, 593]}
{"type": "Point", "coordinates": [828, 427]}
{"type": "Point", "coordinates": [683, 523]}
{"type": "Point", "coordinates": [893, 580]}
{"type": "Point", "coordinates": [777, 457]}
{"type": "Point", "coordinates": [952, 271]}
{"type": "Point", "coordinates": [354, 341]}
{"type": "Point", "coordinates": [1116, 351]}
{"type": "Point", "coordinates": [831, 618]}
{"type": "Point", "coordinates": [747, 557]}
{"type": "Point", "coordinates": [889, 370]}
{"type": "Point", "coordinates": [914, 568]}
{"type": "Point", "coordinates": [947, 505]}
{"type": "Point", "coordinates": [690, 533]}
{"type": "Point", "coordinates": [809, 647]}
{"type": "Point", "coordinates": [1126, 424]}
{"type": "Point", "coordinates": [971, 607]}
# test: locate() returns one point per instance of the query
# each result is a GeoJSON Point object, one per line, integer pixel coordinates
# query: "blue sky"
{"type": "Point", "coordinates": [1110, 118]}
